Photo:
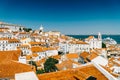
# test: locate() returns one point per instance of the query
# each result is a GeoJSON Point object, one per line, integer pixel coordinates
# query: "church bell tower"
{"type": "Point", "coordinates": [99, 36]}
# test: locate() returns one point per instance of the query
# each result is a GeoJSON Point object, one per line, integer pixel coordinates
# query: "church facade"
{"type": "Point", "coordinates": [94, 43]}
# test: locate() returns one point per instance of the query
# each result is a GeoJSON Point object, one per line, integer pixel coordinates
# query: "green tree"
{"type": "Point", "coordinates": [103, 45]}
{"type": "Point", "coordinates": [24, 29]}
{"type": "Point", "coordinates": [27, 29]}
{"type": "Point", "coordinates": [33, 63]}
{"type": "Point", "coordinates": [20, 29]}
{"type": "Point", "coordinates": [49, 65]}
{"type": "Point", "coordinates": [41, 71]}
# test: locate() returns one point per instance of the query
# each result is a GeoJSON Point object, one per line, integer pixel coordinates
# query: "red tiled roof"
{"type": "Point", "coordinates": [65, 64]}
{"type": "Point", "coordinates": [92, 55]}
{"type": "Point", "coordinates": [13, 40]}
{"type": "Point", "coordinates": [9, 65]}
{"type": "Point", "coordinates": [84, 54]}
{"type": "Point", "coordinates": [72, 55]}
{"type": "Point", "coordinates": [10, 68]}
{"type": "Point", "coordinates": [10, 40]}
{"type": "Point", "coordinates": [37, 49]}
{"type": "Point", "coordinates": [9, 55]}
{"type": "Point", "coordinates": [90, 37]}
{"type": "Point", "coordinates": [81, 73]}
{"type": "Point", "coordinates": [25, 46]}
{"type": "Point", "coordinates": [36, 43]}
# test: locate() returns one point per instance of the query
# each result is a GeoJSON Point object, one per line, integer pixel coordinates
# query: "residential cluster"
{"type": "Point", "coordinates": [24, 52]}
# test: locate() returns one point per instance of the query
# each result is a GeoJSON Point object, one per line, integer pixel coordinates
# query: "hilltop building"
{"type": "Point", "coordinates": [94, 43]}
{"type": "Point", "coordinates": [11, 27]}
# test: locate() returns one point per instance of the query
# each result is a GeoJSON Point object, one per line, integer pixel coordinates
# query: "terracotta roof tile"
{"type": "Point", "coordinates": [36, 43]}
{"type": "Point", "coordinates": [72, 55]}
{"type": "Point", "coordinates": [84, 54]}
{"type": "Point", "coordinates": [51, 48]}
{"type": "Point", "coordinates": [37, 49]}
{"type": "Point", "coordinates": [90, 37]}
{"type": "Point", "coordinates": [10, 40]}
{"type": "Point", "coordinates": [65, 64]}
{"type": "Point", "coordinates": [92, 55]}
{"type": "Point", "coordinates": [34, 34]}
{"type": "Point", "coordinates": [28, 57]}
{"type": "Point", "coordinates": [81, 73]}
{"type": "Point", "coordinates": [34, 54]}
{"type": "Point", "coordinates": [9, 64]}
{"type": "Point", "coordinates": [25, 46]}
{"type": "Point", "coordinates": [56, 57]}
{"type": "Point", "coordinates": [9, 55]}
{"type": "Point", "coordinates": [13, 40]}
{"type": "Point", "coordinates": [4, 28]}
{"type": "Point", "coordinates": [81, 42]}
{"type": "Point", "coordinates": [9, 68]}
{"type": "Point", "coordinates": [23, 32]}
{"type": "Point", "coordinates": [23, 38]}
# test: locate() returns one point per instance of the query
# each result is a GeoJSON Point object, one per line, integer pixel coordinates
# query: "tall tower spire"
{"type": "Point", "coordinates": [99, 36]}
{"type": "Point", "coordinates": [41, 29]}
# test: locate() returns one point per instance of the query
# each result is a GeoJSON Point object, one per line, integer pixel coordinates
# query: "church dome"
{"type": "Point", "coordinates": [41, 27]}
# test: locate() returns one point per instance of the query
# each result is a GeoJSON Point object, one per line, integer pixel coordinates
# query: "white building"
{"type": "Point", "coordinates": [26, 76]}
{"type": "Point", "coordinates": [22, 59]}
{"type": "Point", "coordinates": [95, 43]}
{"type": "Point", "coordinates": [8, 44]}
{"type": "Point", "coordinates": [51, 52]}
{"type": "Point", "coordinates": [20, 35]}
{"type": "Point", "coordinates": [12, 27]}
{"type": "Point", "coordinates": [72, 47]}
{"type": "Point", "coordinates": [42, 52]}
{"type": "Point", "coordinates": [39, 52]}
{"type": "Point", "coordinates": [40, 30]}
{"type": "Point", "coordinates": [53, 33]}
{"type": "Point", "coordinates": [25, 40]}
{"type": "Point", "coordinates": [25, 49]}
{"type": "Point", "coordinates": [6, 35]}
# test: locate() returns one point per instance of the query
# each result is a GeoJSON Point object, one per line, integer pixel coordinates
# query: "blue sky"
{"type": "Point", "coordinates": [67, 16]}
